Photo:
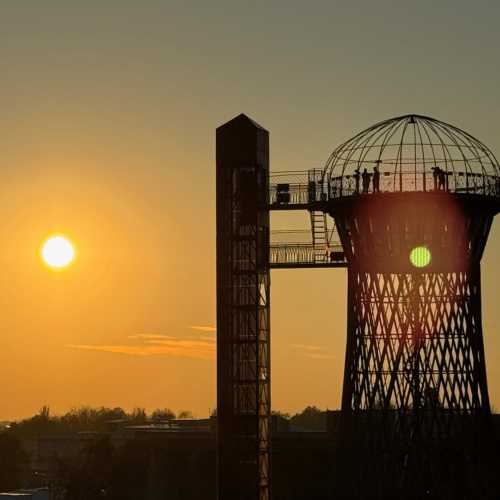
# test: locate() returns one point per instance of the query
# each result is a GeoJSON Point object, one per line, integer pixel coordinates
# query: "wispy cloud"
{"type": "Point", "coordinates": [149, 336]}
{"type": "Point", "coordinates": [203, 328]}
{"type": "Point", "coordinates": [318, 355]}
{"type": "Point", "coordinates": [312, 351]}
{"type": "Point", "coordinates": [306, 347]}
{"type": "Point", "coordinates": [158, 345]}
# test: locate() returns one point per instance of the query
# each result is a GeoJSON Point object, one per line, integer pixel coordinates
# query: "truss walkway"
{"type": "Point", "coordinates": [295, 190]}
{"type": "Point", "coordinates": [306, 190]}
{"type": "Point", "coordinates": [318, 246]}
{"type": "Point", "coordinates": [287, 256]}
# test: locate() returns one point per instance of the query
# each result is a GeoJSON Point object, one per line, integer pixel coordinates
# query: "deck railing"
{"type": "Point", "coordinates": [307, 189]}
{"type": "Point", "coordinates": [452, 182]}
{"type": "Point", "coordinates": [304, 254]}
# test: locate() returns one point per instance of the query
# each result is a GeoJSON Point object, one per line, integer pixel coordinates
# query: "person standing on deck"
{"type": "Point", "coordinates": [435, 175]}
{"type": "Point", "coordinates": [365, 177]}
{"type": "Point", "coordinates": [376, 179]}
{"type": "Point", "coordinates": [356, 181]}
{"type": "Point", "coordinates": [442, 179]}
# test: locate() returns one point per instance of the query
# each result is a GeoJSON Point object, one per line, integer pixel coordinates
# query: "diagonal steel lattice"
{"type": "Point", "coordinates": [415, 341]}
{"type": "Point", "coordinates": [415, 386]}
{"type": "Point", "coordinates": [415, 377]}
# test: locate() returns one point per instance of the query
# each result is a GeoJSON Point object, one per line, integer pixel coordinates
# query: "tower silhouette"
{"type": "Point", "coordinates": [415, 375]}
{"type": "Point", "coordinates": [243, 357]}
{"type": "Point", "coordinates": [406, 206]}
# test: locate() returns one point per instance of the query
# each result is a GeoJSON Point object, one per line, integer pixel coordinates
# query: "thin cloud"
{"type": "Point", "coordinates": [199, 340]}
{"type": "Point", "coordinates": [312, 351]}
{"type": "Point", "coordinates": [317, 355]}
{"type": "Point", "coordinates": [203, 328]}
{"type": "Point", "coordinates": [306, 347]}
{"type": "Point", "coordinates": [179, 348]}
{"type": "Point", "coordinates": [149, 336]}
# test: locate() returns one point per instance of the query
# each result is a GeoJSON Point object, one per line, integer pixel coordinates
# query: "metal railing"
{"type": "Point", "coordinates": [304, 254]}
{"type": "Point", "coordinates": [298, 194]}
{"type": "Point", "coordinates": [452, 182]}
{"type": "Point", "coordinates": [295, 188]}
{"type": "Point", "coordinates": [289, 194]}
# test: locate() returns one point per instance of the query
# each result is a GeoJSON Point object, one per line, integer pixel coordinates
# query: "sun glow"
{"type": "Point", "coordinates": [57, 252]}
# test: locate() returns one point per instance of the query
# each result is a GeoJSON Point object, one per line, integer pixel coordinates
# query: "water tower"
{"type": "Point", "coordinates": [413, 201]}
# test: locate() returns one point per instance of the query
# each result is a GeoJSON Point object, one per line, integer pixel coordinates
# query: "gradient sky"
{"type": "Point", "coordinates": [107, 134]}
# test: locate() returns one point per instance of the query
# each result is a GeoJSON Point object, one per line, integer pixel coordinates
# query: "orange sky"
{"type": "Point", "coordinates": [107, 134]}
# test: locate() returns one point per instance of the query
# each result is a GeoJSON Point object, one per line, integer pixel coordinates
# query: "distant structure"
{"type": "Point", "coordinates": [406, 206]}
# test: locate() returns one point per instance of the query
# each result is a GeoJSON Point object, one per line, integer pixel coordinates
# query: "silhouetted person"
{"type": "Point", "coordinates": [356, 181]}
{"type": "Point", "coordinates": [365, 177]}
{"type": "Point", "coordinates": [441, 179]}
{"type": "Point", "coordinates": [376, 180]}
{"type": "Point", "coordinates": [435, 175]}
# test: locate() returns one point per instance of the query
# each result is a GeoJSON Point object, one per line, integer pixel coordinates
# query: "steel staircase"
{"type": "Point", "coordinates": [320, 238]}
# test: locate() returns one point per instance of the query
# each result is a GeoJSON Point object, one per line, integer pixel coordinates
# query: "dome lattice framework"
{"type": "Point", "coordinates": [413, 153]}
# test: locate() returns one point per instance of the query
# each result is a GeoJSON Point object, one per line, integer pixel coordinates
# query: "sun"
{"type": "Point", "coordinates": [57, 252]}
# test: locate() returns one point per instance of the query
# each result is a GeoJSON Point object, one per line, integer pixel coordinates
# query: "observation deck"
{"type": "Point", "coordinates": [318, 247]}
{"type": "Point", "coordinates": [321, 246]}
{"type": "Point", "coordinates": [408, 154]}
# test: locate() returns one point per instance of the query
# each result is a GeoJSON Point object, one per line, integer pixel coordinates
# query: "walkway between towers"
{"type": "Point", "coordinates": [318, 247]}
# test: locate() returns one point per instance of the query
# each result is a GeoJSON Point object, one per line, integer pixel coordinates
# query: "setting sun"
{"type": "Point", "coordinates": [57, 252]}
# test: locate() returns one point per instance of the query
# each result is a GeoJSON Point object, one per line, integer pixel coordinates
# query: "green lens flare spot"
{"type": "Point", "coordinates": [420, 256]}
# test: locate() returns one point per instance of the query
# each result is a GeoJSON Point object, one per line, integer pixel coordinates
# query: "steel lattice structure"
{"type": "Point", "coordinates": [243, 357]}
{"type": "Point", "coordinates": [415, 387]}
{"type": "Point", "coordinates": [415, 375]}
{"type": "Point", "coordinates": [403, 324]}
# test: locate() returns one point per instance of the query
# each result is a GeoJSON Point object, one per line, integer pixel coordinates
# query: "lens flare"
{"type": "Point", "coordinates": [420, 256]}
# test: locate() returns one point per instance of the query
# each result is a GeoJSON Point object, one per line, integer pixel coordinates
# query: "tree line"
{"type": "Point", "coordinates": [86, 418]}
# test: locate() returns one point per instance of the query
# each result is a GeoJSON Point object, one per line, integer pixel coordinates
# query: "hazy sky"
{"type": "Point", "coordinates": [107, 134]}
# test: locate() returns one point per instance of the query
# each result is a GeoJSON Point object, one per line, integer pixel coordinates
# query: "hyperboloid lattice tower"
{"type": "Point", "coordinates": [413, 200]}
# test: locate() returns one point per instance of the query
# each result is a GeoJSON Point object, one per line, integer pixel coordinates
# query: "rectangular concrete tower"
{"type": "Point", "coordinates": [243, 286]}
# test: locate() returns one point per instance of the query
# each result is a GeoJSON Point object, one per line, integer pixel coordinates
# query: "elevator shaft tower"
{"type": "Point", "coordinates": [243, 357]}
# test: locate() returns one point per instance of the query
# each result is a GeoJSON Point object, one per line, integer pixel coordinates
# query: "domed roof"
{"type": "Point", "coordinates": [413, 153]}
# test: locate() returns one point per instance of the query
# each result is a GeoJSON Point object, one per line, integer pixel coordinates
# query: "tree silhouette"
{"type": "Point", "coordinates": [311, 418]}
{"type": "Point", "coordinates": [162, 414]}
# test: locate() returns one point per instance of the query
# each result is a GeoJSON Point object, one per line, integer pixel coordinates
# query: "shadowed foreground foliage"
{"type": "Point", "coordinates": [13, 462]}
